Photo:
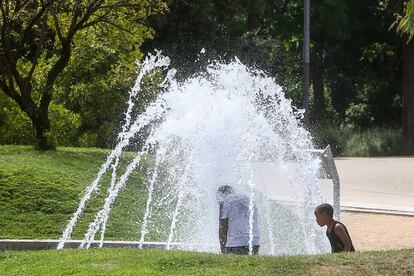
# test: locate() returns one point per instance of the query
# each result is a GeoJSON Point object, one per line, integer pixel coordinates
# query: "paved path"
{"type": "Point", "coordinates": [384, 185]}
{"type": "Point", "coordinates": [379, 183]}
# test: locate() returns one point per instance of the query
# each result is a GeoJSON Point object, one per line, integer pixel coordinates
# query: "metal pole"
{"type": "Point", "coordinates": [336, 182]}
{"type": "Point", "coordinates": [306, 63]}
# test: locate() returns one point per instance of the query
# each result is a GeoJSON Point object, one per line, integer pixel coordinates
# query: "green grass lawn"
{"type": "Point", "coordinates": [156, 262]}
{"type": "Point", "coordinates": [39, 191]}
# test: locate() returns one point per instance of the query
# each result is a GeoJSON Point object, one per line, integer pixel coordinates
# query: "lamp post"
{"type": "Point", "coordinates": [306, 64]}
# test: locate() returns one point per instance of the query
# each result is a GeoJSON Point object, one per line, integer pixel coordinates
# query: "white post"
{"type": "Point", "coordinates": [336, 183]}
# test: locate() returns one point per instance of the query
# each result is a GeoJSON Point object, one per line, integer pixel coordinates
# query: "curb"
{"type": "Point", "coordinates": [11, 244]}
{"type": "Point", "coordinates": [380, 211]}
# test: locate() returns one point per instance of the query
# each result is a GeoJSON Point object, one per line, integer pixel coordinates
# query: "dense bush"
{"type": "Point", "coordinates": [359, 115]}
{"type": "Point", "coordinates": [65, 125]}
{"type": "Point", "coordinates": [348, 141]}
{"type": "Point", "coordinates": [16, 128]}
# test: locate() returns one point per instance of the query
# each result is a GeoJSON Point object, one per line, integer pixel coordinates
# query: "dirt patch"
{"type": "Point", "coordinates": [378, 231]}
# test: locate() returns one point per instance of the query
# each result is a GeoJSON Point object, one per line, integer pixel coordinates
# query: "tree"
{"type": "Point", "coordinates": [37, 39]}
{"type": "Point", "coordinates": [355, 61]}
{"type": "Point", "coordinates": [329, 18]}
{"type": "Point", "coordinates": [405, 26]}
{"type": "Point", "coordinates": [95, 85]}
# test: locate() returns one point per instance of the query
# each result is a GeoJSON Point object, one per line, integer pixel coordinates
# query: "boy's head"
{"type": "Point", "coordinates": [324, 214]}
{"type": "Point", "coordinates": [223, 191]}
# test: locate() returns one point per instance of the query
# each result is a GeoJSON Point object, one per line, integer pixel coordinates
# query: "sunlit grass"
{"type": "Point", "coordinates": [39, 191]}
{"type": "Point", "coordinates": [157, 262]}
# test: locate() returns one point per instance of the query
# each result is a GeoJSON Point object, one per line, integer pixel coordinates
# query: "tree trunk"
{"type": "Point", "coordinates": [255, 10]}
{"type": "Point", "coordinates": [38, 115]}
{"type": "Point", "coordinates": [317, 85]}
{"type": "Point", "coordinates": [41, 122]}
{"type": "Point", "coordinates": [41, 125]}
{"type": "Point", "coordinates": [408, 95]}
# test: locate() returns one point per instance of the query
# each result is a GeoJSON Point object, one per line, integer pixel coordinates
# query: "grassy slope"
{"type": "Point", "coordinates": [40, 190]}
{"type": "Point", "coordinates": [144, 262]}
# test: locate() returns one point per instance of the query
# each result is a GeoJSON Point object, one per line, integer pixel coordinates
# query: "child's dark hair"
{"type": "Point", "coordinates": [325, 208]}
{"type": "Point", "coordinates": [225, 190]}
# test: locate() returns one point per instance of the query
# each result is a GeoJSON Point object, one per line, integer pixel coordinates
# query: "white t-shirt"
{"type": "Point", "coordinates": [235, 207]}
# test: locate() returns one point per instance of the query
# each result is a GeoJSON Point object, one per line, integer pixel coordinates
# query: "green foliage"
{"type": "Point", "coordinates": [350, 41]}
{"type": "Point", "coordinates": [376, 142]}
{"type": "Point", "coordinates": [359, 59]}
{"type": "Point", "coordinates": [91, 93]}
{"type": "Point", "coordinates": [405, 24]}
{"type": "Point", "coordinates": [16, 127]}
{"type": "Point", "coordinates": [348, 141]}
{"type": "Point", "coordinates": [96, 85]}
{"type": "Point", "coordinates": [87, 139]}
{"type": "Point", "coordinates": [359, 115]}
{"type": "Point", "coordinates": [65, 125]}
{"type": "Point", "coordinates": [161, 262]}
{"type": "Point", "coordinates": [377, 51]}
{"type": "Point", "coordinates": [38, 39]}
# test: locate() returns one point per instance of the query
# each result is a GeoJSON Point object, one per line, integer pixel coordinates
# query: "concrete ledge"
{"type": "Point", "coordinates": [9, 244]}
{"type": "Point", "coordinates": [366, 208]}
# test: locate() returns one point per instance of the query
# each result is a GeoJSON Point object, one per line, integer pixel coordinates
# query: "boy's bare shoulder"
{"type": "Point", "coordinates": [339, 226]}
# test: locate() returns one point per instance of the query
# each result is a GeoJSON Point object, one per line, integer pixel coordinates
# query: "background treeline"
{"type": "Point", "coordinates": [66, 68]}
